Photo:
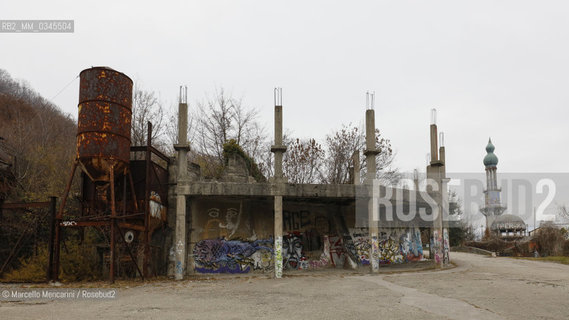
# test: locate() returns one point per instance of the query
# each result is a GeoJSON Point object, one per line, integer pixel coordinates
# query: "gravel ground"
{"type": "Point", "coordinates": [479, 287]}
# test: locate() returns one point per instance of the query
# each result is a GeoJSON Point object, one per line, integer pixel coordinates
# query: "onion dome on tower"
{"type": "Point", "coordinates": [490, 160]}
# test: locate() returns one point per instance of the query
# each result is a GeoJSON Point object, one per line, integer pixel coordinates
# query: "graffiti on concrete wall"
{"type": "Point", "coordinates": [233, 256]}
{"type": "Point", "coordinates": [436, 243]}
{"type": "Point", "coordinates": [446, 247]}
{"type": "Point", "coordinates": [362, 247]}
{"type": "Point", "coordinates": [389, 251]}
{"type": "Point", "coordinates": [296, 220]}
{"type": "Point", "coordinates": [225, 224]}
{"type": "Point", "coordinates": [293, 257]}
{"type": "Point", "coordinates": [393, 246]}
{"type": "Point", "coordinates": [278, 257]}
{"type": "Point", "coordinates": [324, 260]}
{"type": "Point", "coordinates": [374, 252]}
{"type": "Point", "coordinates": [410, 245]}
{"type": "Point", "coordinates": [337, 251]}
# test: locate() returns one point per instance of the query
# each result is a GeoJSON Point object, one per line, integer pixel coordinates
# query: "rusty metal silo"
{"type": "Point", "coordinates": [105, 113]}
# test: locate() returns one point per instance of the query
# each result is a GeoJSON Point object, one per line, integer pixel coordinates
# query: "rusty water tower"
{"type": "Point", "coordinates": [104, 122]}
{"type": "Point", "coordinates": [110, 196]}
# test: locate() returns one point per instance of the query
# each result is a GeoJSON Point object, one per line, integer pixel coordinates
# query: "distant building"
{"type": "Point", "coordinates": [506, 226]}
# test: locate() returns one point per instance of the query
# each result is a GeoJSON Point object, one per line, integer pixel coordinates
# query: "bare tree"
{"type": "Point", "coordinates": [147, 107]}
{"type": "Point", "coordinates": [303, 161]}
{"type": "Point", "coordinates": [340, 146]}
{"type": "Point", "coordinates": [223, 118]}
{"type": "Point", "coordinates": [563, 212]}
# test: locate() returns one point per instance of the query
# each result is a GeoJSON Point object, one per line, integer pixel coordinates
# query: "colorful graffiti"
{"type": "Point", "coordinates": [337, 252]}
{"type": "Point", "coordinates": [446, 247]}
{"type": "Point", "coordinates": [393, 246]}
{"type": "Point", "coordinates": [374, 253]}
{"type": "Point", "coordinates": [362, 247]}
{"type": "Point", "coordinates": [389, 251]}
{"type": "Point", "coordinates": [293, 257]}
{"type": "Point", "coordinates": [232, 256]}
{"type": "Point", "coordinates": [324, 260]}
{"type": "Point", "coordinates": [436, 246]}
{"type": "Point", "coordinates": [278, 257]}
{"type": "Point", "coordinates": [410, 245]}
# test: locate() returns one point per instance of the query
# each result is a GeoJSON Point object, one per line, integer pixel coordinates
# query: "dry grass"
{"type": "Point", "coordinates": [557, 259]}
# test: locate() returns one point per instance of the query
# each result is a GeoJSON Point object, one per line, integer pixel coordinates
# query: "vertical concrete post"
{"type": "Point", "coordinates": [183, 123]}
{"type": "Point", "coordinates": [445, 226]}
{"type": "Point", "coordinates": [370, 151]}
{"type": "Point", "coordinates": [180, 237]}
{"type": "Point", "coordinates": [278, 237]}
{"type": "Point", "coordinates": [436, 175]}
{"type": "Point", "coordinates": [356, 166]}
{"type": "Point", "coordinates": [416, 180]}
{"type": "Point", "coordinates": [444, 201]}
{"type": "Point", "coordinates": [182, 147]}
{"type": "Point", "coordinates": [278, 183]}
{"type": "Point", "coordinates": [373, 187]}
{"type": "Point", "coordinates": [278, 142]}
{"type": "Point", "coordinates": [434, 151]}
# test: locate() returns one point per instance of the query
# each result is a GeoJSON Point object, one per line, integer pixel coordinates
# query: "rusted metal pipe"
{"type": "Point", "coordinates": [113, 231]}
{"type": "Point", "coordinates": [146, 259]}
{"type": "Point", "coordinates": [52, 221]}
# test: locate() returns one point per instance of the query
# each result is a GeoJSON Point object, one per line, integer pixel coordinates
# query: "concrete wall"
{"type": "Point", "coordinates": [236, 236]}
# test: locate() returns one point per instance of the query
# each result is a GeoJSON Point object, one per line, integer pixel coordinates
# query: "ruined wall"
{"type": "Point", "coordinates": [230, 236]}
{"type": "Point", "coordinates": [236, 236]}
{"type": "Point", "coordinates": [396, 245]}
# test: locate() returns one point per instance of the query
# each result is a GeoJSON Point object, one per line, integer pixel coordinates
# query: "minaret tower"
{"type": "Point", "coordinates": [493, 206]}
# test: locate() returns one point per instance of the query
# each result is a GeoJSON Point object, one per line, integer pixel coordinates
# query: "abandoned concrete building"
{"type": "Point", "coordinates": [235, 224]}
{"type": "Point", "coordinates": [238, 226]}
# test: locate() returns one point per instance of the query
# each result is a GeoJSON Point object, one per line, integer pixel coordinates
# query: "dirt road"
{"type": "Point", "coordinates": [478, 288]}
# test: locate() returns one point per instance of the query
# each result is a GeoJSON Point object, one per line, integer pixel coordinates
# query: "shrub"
{"type": "Point", "coordinates": [77, 262]}
{"type": "Point", "coordinates": [550, 241]}
{"type": "Point", "coordinates": [232, 148]}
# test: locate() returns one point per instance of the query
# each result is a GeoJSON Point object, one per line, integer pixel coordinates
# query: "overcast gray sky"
{"type": "Point", "coordinates": [491, 68]}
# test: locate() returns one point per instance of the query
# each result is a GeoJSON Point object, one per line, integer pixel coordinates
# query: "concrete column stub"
{"type": "Point", "coordinates": [180, 238]}
{"type": "Point", "coordinates": [278, 237]}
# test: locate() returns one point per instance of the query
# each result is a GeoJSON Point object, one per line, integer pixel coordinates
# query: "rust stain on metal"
{"type": "Point", "coordinates": [104, 122]}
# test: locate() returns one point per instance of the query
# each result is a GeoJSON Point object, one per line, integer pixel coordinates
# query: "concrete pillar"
{"type": "Point", "coordinates": [278, 237]}
{"type": "Point", "coordinates": [434, 151]}
{"type": "Point", "coordinates": [180, 238]}
{"type": "Point", "coordinates": [445, 217]}
{"type": "Point", "coordinates": [182, 147]}
{"type": "Point", "coordinates": [436, 175]}
{"type": "Point", "coordinates": [183, 123]}
{"type": "Point", "coordinates": [416, 180]}
{"type": "Point", "coordinates": [373, 214]}
{"type": "Point", "coordinates": [278, 125]}
{"type": "Point", "coordinates": [356, 167]}
{"type": "Point", "coordinates": [278, 183]}
{"type": "Point", "coordinates": [373, 187]}
{"type": "Point", "coordinates": [278, 148]}
{"type": "Point", "coordinates": [444, 201]}
{"type": "Point", "coordinates": [370, 151]}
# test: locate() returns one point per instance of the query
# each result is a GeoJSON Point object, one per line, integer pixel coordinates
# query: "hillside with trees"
{"type": "Point", "coordinates": [38, 140]}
